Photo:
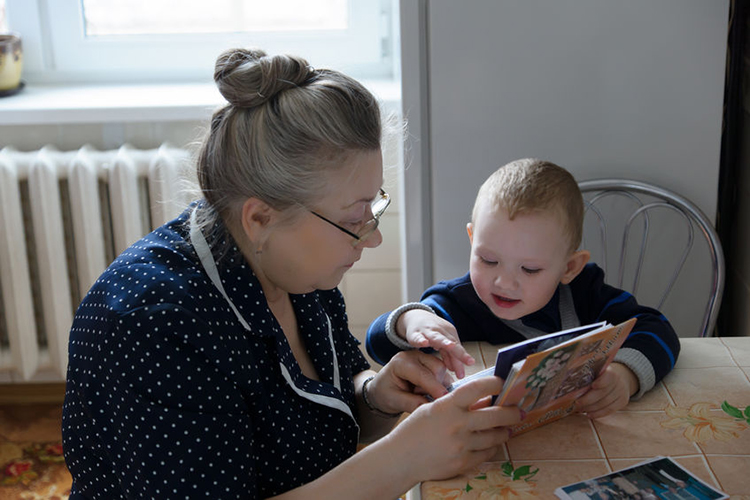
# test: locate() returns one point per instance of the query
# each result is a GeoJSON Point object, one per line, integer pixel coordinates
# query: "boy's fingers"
{"type": "Point", "coordinates": [453, 364]}
{"type": "Point", "coordinates": [419, 340]}
{"type": "Point", "coordinates": [591, 401]}
{"type": "Point", "coordinates": [458, 352]}
{"type": "Point", "coordinates": [603, 412]}
{"type": "Point", "coordinates": [599, 403]}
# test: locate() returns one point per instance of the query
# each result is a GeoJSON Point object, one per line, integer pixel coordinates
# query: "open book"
{"type": "Point", "coordinates": [545, 375]}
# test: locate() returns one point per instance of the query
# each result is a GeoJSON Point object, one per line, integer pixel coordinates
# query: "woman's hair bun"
{"type": "Point", "coordinates": [248, 77]}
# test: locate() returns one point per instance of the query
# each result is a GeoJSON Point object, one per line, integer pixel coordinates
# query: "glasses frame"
{"type": "Point", "coordinates": [368, 227]}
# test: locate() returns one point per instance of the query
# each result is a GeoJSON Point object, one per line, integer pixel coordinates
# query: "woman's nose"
{"type": "Point", "coordinates": [373, 240]}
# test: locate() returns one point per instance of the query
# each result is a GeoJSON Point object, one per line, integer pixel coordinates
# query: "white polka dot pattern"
{"type": "Point", "coordinates": [168, 396]}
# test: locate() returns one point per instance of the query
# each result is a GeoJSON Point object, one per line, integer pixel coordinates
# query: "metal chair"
{"type": "Point", "coordinates": [657, 229]}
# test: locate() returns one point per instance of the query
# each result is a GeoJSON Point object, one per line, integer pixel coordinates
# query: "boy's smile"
{"type": "Point", "coordinates": [516, 265]}
{"type": "Point", "coordinates": [505, 302]}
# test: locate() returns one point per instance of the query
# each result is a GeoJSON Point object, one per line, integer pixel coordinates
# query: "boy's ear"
{"type": "Point", "coordinates": [576, 262]}
{"type": "Point", "coordinates": [257, 216]}
{"type": "Point", "coordinates": [470, 231]}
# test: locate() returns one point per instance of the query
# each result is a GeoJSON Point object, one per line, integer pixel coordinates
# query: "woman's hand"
{"type": "Point", "coordinates": [610, 391]}
{"type": "Point", "coordinates": [401, 385]}
{"type": "Point", "coordinates": [424, 329]}
{"type": "Point", "coordinates": [454, 433]}
{"type": "Point", "coordinates": [439, 440]}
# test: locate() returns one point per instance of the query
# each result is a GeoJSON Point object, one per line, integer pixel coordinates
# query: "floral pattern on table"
{"type": "Point", "coordinates": [700, 424]}
{"type": "Point", "coordinates": [506, 483]}
{"type": "Point", "coordinates": [699, 415]}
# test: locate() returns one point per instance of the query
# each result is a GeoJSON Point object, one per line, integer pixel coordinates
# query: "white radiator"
{"type": "Point", "coordinates": [64, 216]}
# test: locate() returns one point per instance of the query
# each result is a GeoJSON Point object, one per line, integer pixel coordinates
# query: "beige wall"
{"type": "Point", "coordinates": [372, 287]}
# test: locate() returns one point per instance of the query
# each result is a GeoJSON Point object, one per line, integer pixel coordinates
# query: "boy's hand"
{"type": "Point", "coordinates": [610, 392]}
{"type": "Point", "coordinates": [424, 329]}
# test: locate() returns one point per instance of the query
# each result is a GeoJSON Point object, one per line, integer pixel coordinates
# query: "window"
{"type": "Point", "coordinates": [179, 40]}
{"type": "Point", "coordinates": [119, 17]}
{"type": "Point", "coordinates": [3, 24]}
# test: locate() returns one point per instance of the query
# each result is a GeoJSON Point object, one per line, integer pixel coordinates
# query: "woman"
{"type": "Point", "coordinates": [212, 359]}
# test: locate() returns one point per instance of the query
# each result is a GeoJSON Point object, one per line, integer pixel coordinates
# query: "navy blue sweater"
{"type": "Point", "coordinates": [456, 301]}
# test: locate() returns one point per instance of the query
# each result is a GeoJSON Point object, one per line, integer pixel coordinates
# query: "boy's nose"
{"type": "Point", "coordinates": [506, 280]}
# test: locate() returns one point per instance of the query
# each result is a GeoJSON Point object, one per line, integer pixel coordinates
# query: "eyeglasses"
{"type": "Point", "coordinates": [377, 207]}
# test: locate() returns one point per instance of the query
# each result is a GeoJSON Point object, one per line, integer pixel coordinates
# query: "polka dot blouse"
{"type": "Point", "coordinates": [169, 396]}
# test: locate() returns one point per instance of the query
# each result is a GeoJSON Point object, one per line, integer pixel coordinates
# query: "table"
{"type": "Point", "coordinates": [680, 417]}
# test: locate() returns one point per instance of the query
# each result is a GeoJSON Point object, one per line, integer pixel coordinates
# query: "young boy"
{"type": "Point", "coordinates": [527, 278]}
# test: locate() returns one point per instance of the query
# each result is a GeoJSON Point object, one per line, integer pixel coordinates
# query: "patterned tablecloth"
{"type": "Point", "coordinates": [682, 417]}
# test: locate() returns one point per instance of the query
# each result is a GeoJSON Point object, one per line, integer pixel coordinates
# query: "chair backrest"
{"type": "Point", "coordinates": [648, 232]}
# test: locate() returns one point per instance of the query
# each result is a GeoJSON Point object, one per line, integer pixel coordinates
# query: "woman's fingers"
{"type": "Point", "coordinates": [487, 439]}
{"type": "Point", "coordinates": [468, 394]}
{"type": "Point", "coordinates": [482, 403]}
{"type": "Point", "coordinates": [431, 377]}
{"type": "Point", "coordinates": [458, 431]}
{"type": "Point", "coordinates": [494, 416]}
{"type": "Point", "coordinates": [405, 372]}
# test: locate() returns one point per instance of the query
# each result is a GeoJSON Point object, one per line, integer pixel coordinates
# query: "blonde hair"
{"type": "Point", "coordinates": [286, 127]}
{"type": "Point", "coordinates": [528, 185]}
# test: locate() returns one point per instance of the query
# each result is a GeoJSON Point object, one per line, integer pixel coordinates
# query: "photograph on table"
{"type": "Point", "coordinates": [656, 479]}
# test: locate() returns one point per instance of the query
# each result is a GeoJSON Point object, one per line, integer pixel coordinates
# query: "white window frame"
{"type": "Point", "coordinates": [55, 49]}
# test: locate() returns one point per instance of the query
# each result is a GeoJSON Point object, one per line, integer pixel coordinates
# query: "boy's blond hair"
{"type": "Point", "coordinates": [529, 185]}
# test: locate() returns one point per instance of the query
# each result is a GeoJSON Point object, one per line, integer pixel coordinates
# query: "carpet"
{"type": "Point", "coordinates": [31, 457]}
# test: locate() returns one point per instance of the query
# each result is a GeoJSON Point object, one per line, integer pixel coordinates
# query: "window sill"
{"type": "Point", "coordinates": [39, 104]}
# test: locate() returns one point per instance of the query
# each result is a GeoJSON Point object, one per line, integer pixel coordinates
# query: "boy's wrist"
{"type": "Point", "coordinates": [640, 366]}
{"type": "Point", "coordinates": [631, 379]}
{"type": "Point", "coordinates": [390, 325]}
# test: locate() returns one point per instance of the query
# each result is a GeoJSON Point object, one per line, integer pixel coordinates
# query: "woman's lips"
{"type": "Point", "coordinates": [504, 302]}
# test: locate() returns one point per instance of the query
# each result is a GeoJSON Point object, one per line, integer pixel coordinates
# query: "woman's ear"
{"type": "Point", "coordinates": [470, 232]}
{"type": "Point", "coordinates": [257, 216]}
{"type": "Point", "coordinates": [574, 266]}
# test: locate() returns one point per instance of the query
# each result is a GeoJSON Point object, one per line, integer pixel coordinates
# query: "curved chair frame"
{"type": "Point", "coordinates": [672, 201]}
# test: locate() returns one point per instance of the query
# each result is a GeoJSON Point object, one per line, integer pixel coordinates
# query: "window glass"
{"type": "Point", "coordinates": [179, 40]}
{"type": "Point", "coordinates": [148, 17]}
{"type": "Point", "coordinates": [3, 24]}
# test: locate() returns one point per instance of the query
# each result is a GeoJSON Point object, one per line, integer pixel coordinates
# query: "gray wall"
{"type": "Point", "coordinates": [604, 88]}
